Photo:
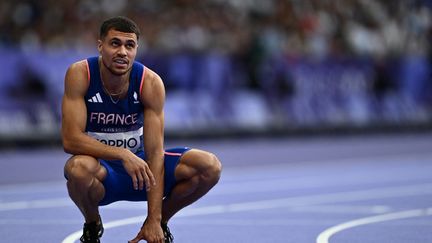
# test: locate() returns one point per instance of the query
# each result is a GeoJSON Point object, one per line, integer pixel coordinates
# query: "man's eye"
{"type": "Point", "coordinates": [115, 43]}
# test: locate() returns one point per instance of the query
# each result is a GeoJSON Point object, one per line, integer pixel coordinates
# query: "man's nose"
{"type": "Point", "coordinates": [122, 51]}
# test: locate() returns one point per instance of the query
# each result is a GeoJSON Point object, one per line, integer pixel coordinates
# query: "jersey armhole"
{"type": "Point", "coordinates": [142, 81]}
{"type": "Point", "coordinates": [88, 70]}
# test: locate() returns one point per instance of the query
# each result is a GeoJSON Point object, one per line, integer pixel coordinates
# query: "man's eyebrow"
{"type": "Point", "coordinates": [115, 39]}
{"type": "Point", "coordinates": [129, 41]}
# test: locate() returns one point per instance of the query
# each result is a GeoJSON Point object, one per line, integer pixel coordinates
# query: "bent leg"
{"type": "Point", "coordinates": [84, 182]}
{"type": "Point", "coordinates": [197, 172]}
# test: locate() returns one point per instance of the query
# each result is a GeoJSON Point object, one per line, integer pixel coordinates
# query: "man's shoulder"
{"type": "Point", "coordinates": [77, 72]}
{"type": "Point", "coordinates": [151, 75]}
{"type": "Point", "coordinates": [78, 66]}
{"type": "Point", "coordinates": [152, 88]}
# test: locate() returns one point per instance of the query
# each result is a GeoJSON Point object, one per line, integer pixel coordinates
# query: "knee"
{"type": "Point", "coordinates": [78, 167]}
{"type": "Point", "coordinates": [213, 169]}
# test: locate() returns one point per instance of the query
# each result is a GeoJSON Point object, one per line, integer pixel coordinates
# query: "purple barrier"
{"type": "Point", "coordinates": [211, 90]}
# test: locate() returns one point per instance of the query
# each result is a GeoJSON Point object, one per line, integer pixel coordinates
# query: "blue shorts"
{"type": "Point", "coordinates": [119, 186]}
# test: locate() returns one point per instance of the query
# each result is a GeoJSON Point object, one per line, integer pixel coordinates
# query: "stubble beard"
{"type": "Point", "coordinates": [113, 72]}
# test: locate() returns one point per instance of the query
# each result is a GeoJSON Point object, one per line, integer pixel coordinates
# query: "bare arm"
{"type": "Point", "coordinates": [76, 141]}
{"type": "Point", "coordinates": [153, 97]}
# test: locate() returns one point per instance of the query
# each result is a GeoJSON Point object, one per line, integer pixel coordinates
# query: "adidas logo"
{"type": "Point", "coordinates": [96, 99]}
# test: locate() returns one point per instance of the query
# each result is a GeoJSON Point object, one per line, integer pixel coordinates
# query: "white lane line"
{"type": "Point", "coordinates": [343, 209]}
{"type": "Point", "coordinates": [9, 221]}
{"type": "Point", "coordinates": [255, 223]}
{"type": "Point", "coordinates": [384, 158]}
{"type": "Point", "coordinates": [273, 185]}
{"type": "Point", "coordinates": [33, 187]}
{"type": "Point", "coordinates": [351, 196]}
{"type": "Point", "coordinates": [326, 234]}
{"type": "Point", "coordinates": [324, 209]}
{"type": "Point", "coordinates": [319, 208]}
{"type": "Point", "coordinates": [31, 204]}
{"type": "Point", "coordinates": [337, 197]}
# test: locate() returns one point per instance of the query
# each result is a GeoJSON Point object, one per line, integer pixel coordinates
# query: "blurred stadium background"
{"type": "Point", "coordinates": [231, 67]}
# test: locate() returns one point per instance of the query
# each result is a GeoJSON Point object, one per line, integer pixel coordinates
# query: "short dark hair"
{"type": "Point", "coordinates": [119, 23]}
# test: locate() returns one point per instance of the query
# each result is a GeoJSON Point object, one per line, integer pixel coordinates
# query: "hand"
{"type": "Point", "coordinates": [139, 171]}
{"type": "Point", "coordinates": [151, 232]}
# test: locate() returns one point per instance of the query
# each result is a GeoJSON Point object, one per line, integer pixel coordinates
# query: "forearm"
{"type": "Point", "coordinates": [155, 195]}
{"type": "Point", "coordinates": [153, 98]}
{"type": "Point", "coordinates": [86, 145]}
{"type": "Point", "coordinates": [153, 145]}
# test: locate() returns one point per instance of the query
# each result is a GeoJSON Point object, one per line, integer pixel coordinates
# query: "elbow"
{"type": "Point", "coordinates": [73, 140]}
{"type": "Point", "coordinates": [68, 145]}
{"type": "Point", "coordinates": [67, 150]}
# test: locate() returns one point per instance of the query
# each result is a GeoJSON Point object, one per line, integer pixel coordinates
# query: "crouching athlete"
{"type": "Point", "coordinates": [113, 125]}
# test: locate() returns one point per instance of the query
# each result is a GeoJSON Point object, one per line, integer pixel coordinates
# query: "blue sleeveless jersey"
{"type": "Point", "coordinates": [116, 123]}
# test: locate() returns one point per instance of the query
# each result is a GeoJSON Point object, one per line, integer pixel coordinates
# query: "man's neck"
{"type": "Point", "coordinates": [114, 84]}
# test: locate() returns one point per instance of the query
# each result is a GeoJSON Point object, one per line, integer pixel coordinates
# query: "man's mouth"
{"type": "Point", "coordinates": [121, 61]}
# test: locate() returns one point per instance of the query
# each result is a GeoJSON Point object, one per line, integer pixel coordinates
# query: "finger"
{"type": "Point", "coordinates": [135, 181]}
{"type": "Point", "coordinates": [151, 177]}
{"type": "Point", "coordinates": [140, 180]}
{"type": "Point", "coordinates": [136, 239]}
{"type": "Point", "coordinates": [161, 240]}
{"type": "Point", "coordinates": [146, 179]}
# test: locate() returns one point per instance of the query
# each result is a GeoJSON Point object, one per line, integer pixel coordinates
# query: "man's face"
{"type": "Point", "coordinates": [118, 51]}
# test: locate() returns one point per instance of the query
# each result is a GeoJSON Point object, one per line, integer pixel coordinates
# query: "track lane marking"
{"type": "Point", "coordinates": [325, 236]}
{"type": "Point", "coordinates": [348, 196]}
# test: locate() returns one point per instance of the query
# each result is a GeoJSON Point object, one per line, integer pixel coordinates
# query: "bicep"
{"type": "Point", "coordinates": [153, 98]}
{"type": "Point", "coordinates": [73, 115]}
{"type": "Point", "coordinates": [74, 111]}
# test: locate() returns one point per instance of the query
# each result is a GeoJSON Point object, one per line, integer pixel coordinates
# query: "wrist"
{"type": "Point", "coordinates": [124, 154]}
{"type": "Point", "coordinates": [154, 219]}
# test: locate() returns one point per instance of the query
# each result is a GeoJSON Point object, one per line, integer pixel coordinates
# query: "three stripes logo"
{"type": "Point", "coordinates": [95, 99]}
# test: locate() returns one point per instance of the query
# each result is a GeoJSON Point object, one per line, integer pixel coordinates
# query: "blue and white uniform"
{"type": "Point", "coordinates": [120, 123]}
{"type": "Point", "coordinates": [115, 122]}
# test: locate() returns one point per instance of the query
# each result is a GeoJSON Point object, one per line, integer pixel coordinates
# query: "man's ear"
{"type": "Point", "coordinates": [100, 46]}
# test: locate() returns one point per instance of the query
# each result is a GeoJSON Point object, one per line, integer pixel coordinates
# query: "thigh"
{"type": "Point", "coordinates": [172, 158]}
{"type": "Point", "coordinates": [192, 163]}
